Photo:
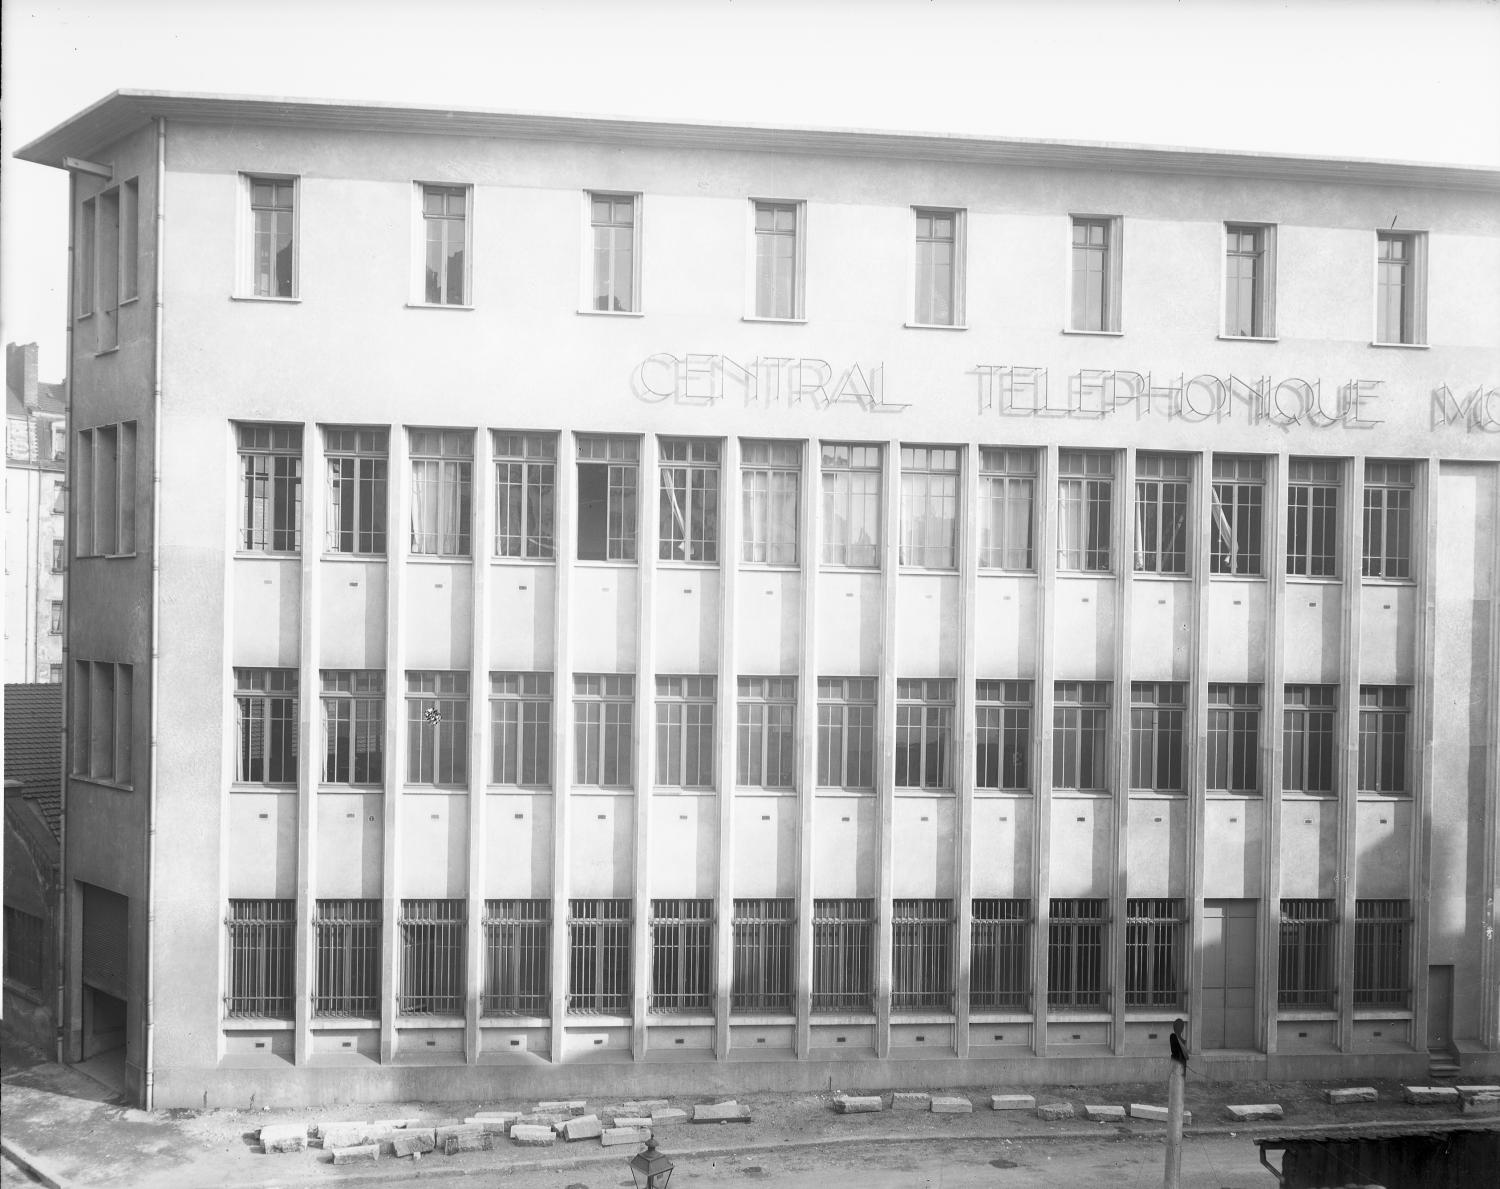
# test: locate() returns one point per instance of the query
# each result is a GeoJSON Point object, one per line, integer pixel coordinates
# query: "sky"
{"type": "Point", "coordinates": [1414, 80]}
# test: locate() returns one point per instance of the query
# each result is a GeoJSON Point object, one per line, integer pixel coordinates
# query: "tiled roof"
{"type": "Point", "coordinates": [33, 740]}
{"type": "Point", "coordinates": [51, 398]}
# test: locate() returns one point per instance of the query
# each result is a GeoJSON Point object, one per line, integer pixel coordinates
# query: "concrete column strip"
{"type": "Point", "coordinates": [810, 553]}
{"type": "Point", "coordinates": [565, 521]}
{"type": "Point", "coordinates": [964, 833]}
{"type": "Point", "coordinates": [648, 488]}
{"type": "Point", "coordinates": [885, 776]}
{"type": "Point", "coordinates": [398, 543]}
{"type": "Point", "coordinates": [311, 735]}
{"type": "Point", "coordinates": [727, 690]}
{"type": "Point", "coordinates": [1348, 775]}
{"type": "Point", "coordinates": [1044, 667]}
{"type": "Point", "coordinates": [482, 549]}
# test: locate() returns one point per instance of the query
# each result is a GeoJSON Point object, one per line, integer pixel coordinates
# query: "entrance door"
{"type": "Point", "coordinates": [1228, 1008]}
{"type": "Point", "coordinates": [1440, 1009]}
{"type": "Point", "coordinates": [104, 989]}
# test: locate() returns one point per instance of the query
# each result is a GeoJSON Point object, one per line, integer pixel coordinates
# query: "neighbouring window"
{"type": "Point", "coordinates": [1384, 727]}
{"type": "Point", "coordinates": [1080, 725]}
{"type": "Point", "coordinates": [599, 980]}
{"type": "Point", "coordinates": [59, 557]}
{"type": "Point", "coordinates": [685, 732]}
{"type": "Point", "coordinates": [766, 724]}
{"type": "Point", "coordinates": [1007, 503]}
{"type": "Point", "coordinates": [922, 955]}
{"type": "Point", "coordinates": [603, 723]}
{"type": "Point", "coordinates": [682, 955]}
{"type": "Point", "coordinates": [1075, 954]}
{"type": "Point", "coordinates": [770, 493]}
{"type": "Point", "coordinates": [353, 726]}
{"type": "Point", "coordinates": [843, 955]}
{"type": "Point", "coordinates": [521, 729]}
{"type": "Point", "coordinates": [778, 260]}
{"type": "Point", "coordinates": [54, 673]}
{"type": "Point", "coordinates": [1382, 944]}
{"type": "Point", "coordinates": [441, 482]}
{"type": "Point", "coordinates": [437, 728]}
{"type": "Point", "coordinates": [1249, 263]}
{"type": "Point", "coordinates": [1002, 733]}
{"type": "Point", "coordinates": [1154, 932]}
{"type": "Point", "coordinates": [1085, 496]}
{"type": "Point", "coordinates": [517, 957]}
{"type": "Point", "coordinates": [55, 626]}
{"type": "Point", "coordinates": [104, 512]}
{"type": "Point", "coordinates": [1400, 289]}
{"type": "Point", "coordinates": [1312, 517]}
{"type": "Point", "coordinates": [1096, 273]}
{"type": "Point", "coordinates": [1305, 954]}
{"type": "Point", "coordinates": [103, 727]}
{"type": "Point", "coordinates": [1161, 513]}
{"type": "Point", "coordinates": [764, 956]}
{"type": "Point", "coordinates": [346, 959]}
{"type": "Point", "coordinates": [846, 732]}
{"type": "Point", "coordinates": [265, 703]}
{"type": "Point", "coordinates": [607, 478]}
{"type": "Point", "coordinates": [851, 504]}
{"type": "Point", "coordinates": [1157, 709]}
{"type": "Point", "coordinates": [924, 733]}
{"type": "Point", "coordinates": [445, 241]}
{"type": "Point", "coordinates": [525, 484]}
{"type": "Point", "coordinates": [1234, 738]}
{"type": "Point", "coordinates": [1389, 489]}
{"type": "Point", "coordinates": [87, 255]}
{"type": "Point", "coordinates": [929, 506]}
{"type": "Point", "coordinates": [260, 949]}
{"type": "Point", "coordinates": [689, 520]}
{"type": "Point", "coordinates": [358, 464]}
{"type": "Point", "coordinates": [1307, 739]}
{"type": "Point", "coordinates": [432, 957]}
{"type": "Point", "coordinates": [107, 328]}
{"type": "Point", "coordinates": [130, 239]}
{"type": "Point", "coordinates": [273, 236]}
{"type": "Point", "coordinates": [614, 227]}
{"type": "Point", "coordinates": [270, 488]}
{"type": "Point", "coordinates": [1238, 496]}
{"type": "Point", "coordinates": [1000, 955]}
{"type": "Point", "coordinates": [25, 949]}
{"type": "Point", "coordinates": [940, 269]}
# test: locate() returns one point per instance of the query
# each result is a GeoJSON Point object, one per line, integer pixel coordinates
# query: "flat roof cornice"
{"type": "Point", "coordinates": [124, 111]}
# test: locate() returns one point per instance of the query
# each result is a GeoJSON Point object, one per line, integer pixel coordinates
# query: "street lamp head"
{"type": "Point", "coordinates": [651, 1169]}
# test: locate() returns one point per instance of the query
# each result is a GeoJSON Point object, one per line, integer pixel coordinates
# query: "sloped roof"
{"type": "Point", "coordinates": [50, 398]}
{"type": "Point", "coordinates": [33, 739]}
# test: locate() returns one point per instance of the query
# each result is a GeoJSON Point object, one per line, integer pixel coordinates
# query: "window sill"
{"type": "Point", "coordinates": [355, 557]}
{"type": "Point", "coordinates": [834, 567]}
{"type": "Point", "coordinates": [518, 1021]}
{"type": "Point", "coordinates": [674, 563]}
{"type": "Point", "coordinates": [129, 301]}
{"type": "Point", "coordinates": [437, 305]}
{"type": "Point", "coordinates": [506, 560]}
{"type": "Point", "coordinates": [1247, 338]}
{"type": "Point", "coordinates": [100, 783]}
{"type": "Point", "coordinates": [86, 316]}
{"type": "Point", "coordinates": [668, 1019]}
{"type": "Point", "coordinates": [419, 789]}
{"type": "Point", "coordinates": [1314, 580]}
{"type": "Point", "coordinates": [611, 313]}
{"type": "Point", "coordinates": [1062, 572]}
{"type": "Point", "coordinates": [1377, 580]}
{"type": "Point", "coordinates": [752, 1020]}
{"type": "Point", "coordinates": [781, 321]}
{"type": "Point", "coordinates": [1151, 1015]}
{"type": "Point", "coordinates": [988, 1016]}
{"type": "Point", "coordinates": [903, 1016]}
{"type": "Point", "coordinates": [1084, 1015]}
{"type": "Point", "coordinates": [1307, 1015]}
{"type": "Point", "coordinates": [1373, 795]}
{"type": "Point", "coordinates": [420, 1023]}
{"type": "Point", "coordinates": [755, 790]}
{"type": "Point", "coordinates": [325, 787]}
{"type": "Point", "coordinates": [672, 790]}
{"type": "Point", "coordinates": [256, 1024]}
{"type": "Point", "coordinates": [276, 555]}
{"type": "Point", "coordinates": [1304, 795]}
{"type": "Point", "coordinates": [600, 790]}
{"type": "Point", "coordinates": [106, 351]}
{"type": "Point", "coordinates": [1157, 576]}
{"type": "Point", "coordinates": [608, 563]}
{"type": "Point", "coordinates": [1109, 334]}
{"type": "Point", "coordinates": [912, 790]}
{"type": "Point", "coordinates": [907, 567]}
{"type": "Point", "coordinates": [544, 789]}
{"type": "Point", "coordinates": [266, 298]}
{"type": "Point", "coordinates": [770, 567]}
{"type": "Point", "coordinates": [1007, 572]}
{"type": "Point", "coordinates": [440, 558]}
{"type": "Point", "coordinates": [1083, 794]}
{"type": "Point", "coordinates": [1384, 1013]}
{"type": "Point", "coordinates": [842, 1018]}
{"type": "Point", "coordinates": [242, 786]}
{"type": "Point", "coordinates": [1233, 795]}
{"type": "Point", "coordinates": [588, 1019]}
{"type": "Point", "coordinates": [831, 790]}
{"type": "Point", "coordinates": [1158, 794]}
{"type": "Point", "coordinates": [935, 326]}
{"type": "Point", "coordinates": [1239, 579]}
{"type": "Point", "coordinates": [1404, 346]}
{"type": "Point", "coordinates": [340, 1023]}
{"type": "Point", "coordinates": [1003, 794]}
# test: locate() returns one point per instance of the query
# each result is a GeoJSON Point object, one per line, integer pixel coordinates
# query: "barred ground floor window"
{"type": "Point", "coordinates": [1000, 955]}
{"type": "Point", "coordinates": [346, 970]}
{"type": "Point", "coordinates": [843, 950]}
{"type": "Point", "coordinates": [682, 955]}
{"type": "Point", "coordinates": [261, 946]}
{"type": "Point", "coordinates": [432, 957]}
{"type": "Point", "coordinates": [1153, 953]}
{"type": "Point", "coordinates": [1304, 973]}
{"type": "Point", "coordinates": [1075, 954]}
{"type": "Point", "coordinates": [599, 980]}
{"type": "Point", "coordinates": [922, 955]}
{"type": "Point", "coordinates": [1382, 945]}
{"type": "Point", "coordinates": [517, 957]}
{"type": "Point", "coordinates": [764, 959]}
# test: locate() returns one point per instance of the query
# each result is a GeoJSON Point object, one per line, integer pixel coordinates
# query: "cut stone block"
{"type": "Point", "coordinates": [413, 1142]}
{"type": "Point", "coordinates": [321, 1129]}
{"type": "Point", "coordinates": [643, 1106]}
{"type": "Point", "coordinates": [903, 1100]}
{"type": "Point", "coordinates": [506, 1116]}
{"type": "Point", "coordinates": [468, 1137]}
{"type": "Point", "coordinates": [491, 1124]}
{"type": "Point", "coordinates": [1054, 1110]}
{"type": "Point", "coordinates": [529, 1135]}
{"type": "Point", "coordinates": [858, 1104]}
{"type": "Point", "coordinates": [357, 1154]}
{"type": "Point", "coordinates": [582, 1127]}
{"type": "Point", "coordinates": [614, 1136]}
{"type": "Point", "coordinates": [1103, 1114]}
{"type": "Point", "coordinates": [1481, 1104]}
{"type": "Point", "coordinates": [952, 1106]}
{"type": "Point", "coordinates": [347, 1135]}
{"type": "Point", "coordinates": [1251, 1111]}
{"type": "Point", "coordinates": [283, 1137]}
{"type": "Point", "coordinates": [394, 1124]}
{"type": "Point", "coordinates": [1349, 1094]}
{"type": "Point", "coordinates": [1141, 1110]}
{"type": "Point", "coordinates": [573, 1106]}
{"type": "Point", "coordinates": [631, 1121]}
{"type": "Point", "coordinates": [666, 1116]}
{"type": "Point", "coordinates": [543, 1118]}
{"type": "Point", "coordinates": [1012, 1102]}
{"type": "Point", "coordinates": [1431, 1095]}
{"type": "Point", "coordinates": [721, 1112]}
{"type": "Point", "coordinates": [1472, 1091]}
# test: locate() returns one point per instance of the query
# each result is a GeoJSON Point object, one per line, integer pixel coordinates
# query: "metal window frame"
{"type": "Point", "coordinates": [1077, 949]}
{"type": "Point", "coordinates": [600, 948]}
{"type": "Point", "coordinates": [535, 455]}
{"type": "Point", "coordinates": [433, 945]}
{"type": "Point", "coordinates": [1155, 930]}
{"type": "Point", "coordinates": [260, 948]}
{"type": "Point", "coordinates": [517, 970]}
{"type": "Point", "coordinates": [922, 954]}
{"type": "Point", "coordinates": [682, 956]}
{"type": "Point", "coordinates": [843, 955]}
{"type": "Point", "coordinates": [530, 695]}
{"type": "Point", "coordinates": [346, 958]}
{"type": "Point", "coordinates": [1306, 953]}
{"type": "Point", "coordinates": [764, 959]}
{"type": "Point", "coordinates": [1000, 943]}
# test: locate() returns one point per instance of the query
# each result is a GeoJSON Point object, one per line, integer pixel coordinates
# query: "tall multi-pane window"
{"type": "Point", "coordinates": [1234, 737]}
{"type": "Point", "coordinates": [525, 479]}
{"type": "Point", "coordinates": [1096, 274]}
{"type": "Point", "coordinates": [1384, 727]}
{"type": "Point", "coordinates": [1400, 299]}
{"type": "Point", "coordinates": [102, 735]}
{"type": "Point", "coordinates": [57, 617]}
{"type": "Point", "coordinates": [1075, 954]}
{"type": "Point", "coordinates": [929, 506]}
{"type": "Point", "coordinates": [1007, 508]}
{"type": "Point", "coordinates": [445, 237]}
{"type": "Point", "coordinates": [682, 955]}
{"type": "Point", "coordinates": [353, 726]}
{"type": "Point", "coordinates": [265, 706]}
{"type": "Point", "coordinates": [851, 504]}
{"type": "Point", "coordinates": [1238, 496]}
{"type": "Point", "coordinates": [689, 520]}
{"type": "Point", "coordinates": [260, 948]}
{"type": "Point", "coordinates": [1157, 709]}
{"type": "Point", "coordinates": [442, 468]}
{"type": "Point", "coordinates": [437, 728]}
{"type": "Point", "coordinates": [939, 259]}
{"type": "Point", "coordinates": [770, 494]}
{"type": "Point", "coordinates": [1249, 259]}
{"type": "Point", "coordinates": [273, 236]}
{"type": "Point", "coordinates": [599, 980]}
{"type": "Point", "coordinates": [358, 462]}
{"type": "Point", "coordinates": [778, 260]}
{"type": "Point", "coordinates": [104, 511]}
{"type": "Point", "coordinates": [846, 732]}
{"type": "Point", "coordinates": [1002, 733]}
{"type": "Point", "coordinates": [1382, 945]}
{"type": "Point", "coordinates": [1307, 740]}
{"type": "Point", "coordinates": [685, 732]}
{"type": "Point", "coordinates": [1304, 969]}
{"type": "Point", "coordinates": [1000, 955]}
{"type": "Point", "coordinates": [346, 958]}
{"type": "Point", "coordinates": [608, 470]}
{"type": "Point", "coordinates": [1080, 725]}
{"type": "Point", "coordinates": [924, 733]}
{"type": "Point", "coordinates": [88, 255]}
{"type": "Point", "coordinates": [270, 488]}
{"type": "Point", "coordinates": [843, 955]}
{"type": "Point", "coordinates": [432, 957]}
{"type": "Point", "coordinates": [612, 225]}
{"type": "Point", "coordinates": [517, 957]}
{"type": "Point", "coordinates": [1161, 513]}
{"type": "Point", "coordinates": [764, 955]}
{"type": "Point", "coordinates": [1312, 517]}
{"type": "Point", "coordinates": [603, 724]}
{"type": "Point", "coordinates": [1085, 496]}
{"type": "Point", "coordinates": [766, 716]}
{"type": "Point", "coordinates": [521, 729]}
{"type": "Point", "coordinates": [1154, 932]}
{"type": "Point", "coordinates": [922, 955]}
{"type": "Point", "coordinates": [1389, 488]}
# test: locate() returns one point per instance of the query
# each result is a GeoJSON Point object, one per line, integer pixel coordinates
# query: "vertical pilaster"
{"type": "Point", "coordinates": [885, 776]}
{"type": "Point", "coordinates": [398, 544]}
{"type": "Point", "coordinates": [1119, 777]}
{"type": "Point", "coordinates": [1045, 668]}
{"type": "Point", "coordinates": [1424, 536]}
{"type": "Point", "coordinates": [1347, 779]}
{"type": "Point", "coordinates": [311, 736]}
{"type": "Point", "coordinates": [809, 528]}
{"type": "Point", "coordinates": [565, 521]}
{"type": "Point", "coordinates": [726, 739]}
{"type": "Point", "coordinates": [963, 736]}
{"type": "Point", "coordinates": [1199, 644]}
{"type": "Point", "coordinates": [1273, 706]}
{"type": "Point", "coordinates": [1489, 888]}
{"type": "Point", "coordinates": [479, 768]}
{"type": "Point", "coordinates": [645, 744]}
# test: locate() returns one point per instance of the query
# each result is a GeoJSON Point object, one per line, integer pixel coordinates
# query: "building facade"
{"type": "Point", "coordinates": [640, 606]}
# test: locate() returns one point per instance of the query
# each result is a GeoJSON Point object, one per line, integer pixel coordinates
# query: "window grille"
{"type": "Point", "coordinates": [521, 729]}
{"type": "Point", "coordinates": [608, 469]}
{"type": "Point", "coordinates": [1080, 726]}
{"type": "Point", "coordinates": [685, 732]}
{"type": "Point", "coordinates": [612, 222]}
{"type": "Point", "coordinates": [1307, 739]}
{"type": "Point", "coordinates": [929, 506]}
{"type": "Point", "coordinates": [922, 955]}
{"type": "Point", "coordinates": [25, 960]}
{"type": "Point", "coordinates": [1000, 955]}
{"type": "Point", "coordinates": [689, 522]}
{"type": "Point", "coordinates": [938, 296]}
{"type": "Point", "coordinates": [437, 728]}
{"type": "Point", "coordinates": [445, 218]}
{"type": "Point", "coordinates": [1237, 504]}
{"type": "Point", "coordinates": [432, 957]}
{"type": "Point", "coordinates": [1002, 730]}
{"type": "Point", "coordinates": [1382, 944]}
{"type": "Point", "coordinates": [1389, 490]}
{"type": "Point", "coordinates": [763, 956]}
{"type": "Point", "coordinates": [1312, 518]}
{"type": "Point", "coordinates": [682, 955]}
{"type": "Point", "coordinates": [517, 957]}
{"type": "Point", "coordinates": [346, 971]}
{"type": "Point", "coordinates": [924, 733]}
{"type": "Point", "coordinates": [1384, 724]}
{"type": "Point", "coordinates": [1153, 953]}
{"type": "Point", "coordinates": [599, 980]}
{"type": "Point", "coordinates": [1234, 738]}
{"type": "Point", "coordinates": [1305, 954]}
{"type": "Point", "coordinates": [851, 504]}
{"type": "Point", "coordinates": [265, 703]}
{"type": "Point", "coordinates": [846, 732]}
{"type": "Point", "coordinates": [1007, 501]}
{"type": "Point", "coordinates": [1075, 954]}
{"type": "Point", "coordinates": [1156, 746]}
{"type": "Point", "coordinates": [603, 722]}
{"type": "Point", "coordinates": [1085, 497]}
{"type": "Point", "coordinates": [271, 488]}
{"type": "Point", "coordinates": [262, 937]}
{"type": "Point", "coordinates": [766, 723]}
{"type": "Point", "coordinates": [843, 948]}
{"type": "Point", "coordinates": [442, 471]}
{"type": "Point", "coordinates": [776, 260]}
{"type": "Point", "coordinates": [358, 462]}
{"type": "Point", "coordinates": [353, 726]}
{"type": "Point", "coordinates": [1161, 513]}
{"type": "Point", "coordinates": [525, 482]}
{"type": "Point", "coordinates": [770, 496]}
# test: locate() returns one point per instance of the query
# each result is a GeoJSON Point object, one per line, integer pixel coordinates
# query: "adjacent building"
{"type": "Point", "coordinates": [599, 605]}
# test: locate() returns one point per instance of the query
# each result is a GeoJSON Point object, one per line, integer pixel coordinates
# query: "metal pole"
{"type": "Point", "coordinates": [1175, 1083]}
